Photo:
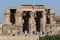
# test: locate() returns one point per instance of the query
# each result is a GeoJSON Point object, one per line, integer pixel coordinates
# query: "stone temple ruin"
{"type": "Point", "coordinates": [30, 20]}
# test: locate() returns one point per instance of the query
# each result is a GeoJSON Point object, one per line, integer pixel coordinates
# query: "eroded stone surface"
{"type": "Point", "coordinates": [28, 22]}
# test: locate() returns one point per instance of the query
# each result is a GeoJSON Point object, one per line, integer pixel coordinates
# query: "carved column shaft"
{"type": "Point", "coordinates": [32, 22]}
{"type": "Point", "coordinates": [51, 19]}
{"type": "Point", "coordinates": [7, 18]}
{"type": "Point", "coordinates": [41, 24]}
{"type": "Point", "coordinates": [44, 22]}
{"type": "Point", "coordinates": [51, 16]}
{"type": "Point", "coordinates": [19, 20]}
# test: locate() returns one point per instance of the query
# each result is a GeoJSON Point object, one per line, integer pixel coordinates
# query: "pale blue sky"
{"type": "Point", "coordinates": [55, 4]}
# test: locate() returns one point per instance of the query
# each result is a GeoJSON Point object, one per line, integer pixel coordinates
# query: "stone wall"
{"type": "Point", "coordinates": [21, 37]}
{"type": "Point", "coordinates": [19, 21]}
{"type": "Point", "coordinates": [54, 29]}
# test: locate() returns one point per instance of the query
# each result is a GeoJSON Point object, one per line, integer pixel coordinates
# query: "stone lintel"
{"type": "Point", "coordinates": [38, 6]}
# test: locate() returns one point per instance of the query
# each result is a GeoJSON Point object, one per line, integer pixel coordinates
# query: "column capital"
{"type": "Point", "coordinates": [32, 13]}
{"type": "Point", "coordinates": [18, 13]}
{"type": "Point", "coordinates": [44, 11]}
{"type": "Point", "coordinates": [51, 11]}
{"type": "Point", "coordinates": [7, 11]}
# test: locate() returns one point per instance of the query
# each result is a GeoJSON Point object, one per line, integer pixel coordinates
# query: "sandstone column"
{"type": "Point", "coordinates": [51, 16]}
{"type": "Point", "coordinates": [44, 22]}
{"type": "Point", "coordinates": [19, 20]}
{"type": "Point", "coordinates": [52, 20]}
{"type": "Point", "coordinates": [32, 23]}
{"type": "Point", "coordinates": [41, 24]}
{"type": "Point", "coordinates": [6, 26]}
{"type": "Point", "coordinates": [7, 17]}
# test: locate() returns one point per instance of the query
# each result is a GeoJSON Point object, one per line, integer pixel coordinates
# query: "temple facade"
{"type": "Point", "coordinates": [30, 20]}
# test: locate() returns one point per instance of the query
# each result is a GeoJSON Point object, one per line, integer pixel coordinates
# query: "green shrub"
{"type": "Point", "coordinates": [50, 37]}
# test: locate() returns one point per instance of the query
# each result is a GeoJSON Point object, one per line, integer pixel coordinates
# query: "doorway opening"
{"type": "Point", "coordinates": [47, 18]}
{"type": "Point", "coordinates": [12, 16]}
{"type": "Point", "coordinates": [37, 19]}
{"type": "Point", "coordinates": [26, 16]}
